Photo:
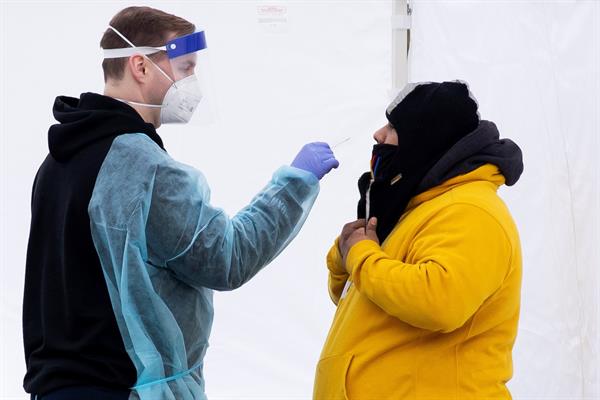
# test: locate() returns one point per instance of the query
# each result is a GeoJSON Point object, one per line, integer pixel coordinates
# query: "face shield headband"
{"type": "Point", "coordinates": [180, 50]}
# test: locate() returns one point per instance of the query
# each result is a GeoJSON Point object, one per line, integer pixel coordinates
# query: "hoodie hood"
{"type": "Point", "coordinates": [90, 118]}
{"type": "Point", "coordinates": [480, 147]}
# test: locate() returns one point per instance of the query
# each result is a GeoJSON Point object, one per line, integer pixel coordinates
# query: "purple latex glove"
{"type": "Point", "coordinates": [317, 158]}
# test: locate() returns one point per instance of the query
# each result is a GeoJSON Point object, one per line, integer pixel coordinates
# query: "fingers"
{"type": "Point", "coordinates": [324, 151]}
{"type": "Point", "coordinates": [347, 231]}
{"type": "Point", "coordinates": [316, 147]}
{"type": "Point", "coordinates": [372, 225]}
{"type": "Point", "coordinates": [320, 148]}
{"type": "Point", "coordinates": [323, 158]}
{"type": "Point", "coordinates": [371, 230]}
{"type": "Point", "coordinates": [356, 231]}
{"type": "Point", "coordinates": [331, 163]}
{"type": "Point", "coordinates": [328, 158]}
{"type": "Point", "coordinates": [355, 224]}
{"type": "Point", "coordinates": [351, 227]}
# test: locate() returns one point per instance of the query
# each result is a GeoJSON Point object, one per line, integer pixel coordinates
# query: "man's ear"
{"type": "Point", "coordinates": [138, 66]}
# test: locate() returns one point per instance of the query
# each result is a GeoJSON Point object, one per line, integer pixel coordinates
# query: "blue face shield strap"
{"type": "Point", "coordinates": [175, 48]}
{"type": "Point", "coordinates": [186, 44]}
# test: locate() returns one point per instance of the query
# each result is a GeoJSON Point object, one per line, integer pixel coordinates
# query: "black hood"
{"type": "Point", "coordinates": [482, 146]}
{"type": "Point", "coordinates": [90, 118]}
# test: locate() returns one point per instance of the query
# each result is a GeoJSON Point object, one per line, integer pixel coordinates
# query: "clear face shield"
{"type": "Point", "coordinates": [188, 99]}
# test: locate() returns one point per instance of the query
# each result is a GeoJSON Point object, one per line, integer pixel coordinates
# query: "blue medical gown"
{"type": "Point", "coordinates": [163, 248]}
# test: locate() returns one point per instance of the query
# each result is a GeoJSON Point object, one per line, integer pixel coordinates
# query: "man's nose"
{"type": "Point", "coordinates": [379, 136]}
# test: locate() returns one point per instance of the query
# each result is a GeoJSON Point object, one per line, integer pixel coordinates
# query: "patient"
{"type": "Point", "coordinates": [427, 281]}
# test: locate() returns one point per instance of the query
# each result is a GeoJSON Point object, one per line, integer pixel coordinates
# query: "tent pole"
{"type": "Point", "coordinates": [401, 21]}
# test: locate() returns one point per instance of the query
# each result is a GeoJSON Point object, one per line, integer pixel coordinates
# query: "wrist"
{"type": "Point", "coordinates": [302, 173]}
{"type": "Point", "coordinates": [335, 262]}
{"type": "Point", "coordinates": [358, 253]}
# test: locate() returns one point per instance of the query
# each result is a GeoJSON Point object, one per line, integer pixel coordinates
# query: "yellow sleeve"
{"type": "Point", "coordinates": [337, 273]}
{"type": "Point", "coordinates": [459, 258]}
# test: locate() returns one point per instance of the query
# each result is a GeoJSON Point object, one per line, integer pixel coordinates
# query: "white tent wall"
{"type": "Point", "coordinates": [535, 69]}
{"type": "Point", "coordinates": [320, 70]}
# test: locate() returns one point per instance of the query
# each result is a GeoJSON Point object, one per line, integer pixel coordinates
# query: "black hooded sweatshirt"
{"type": "Point", "coordinates": [70, 332]}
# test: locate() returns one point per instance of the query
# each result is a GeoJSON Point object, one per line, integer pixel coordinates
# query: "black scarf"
{"type": "Point", "coordinates": [393, 180]}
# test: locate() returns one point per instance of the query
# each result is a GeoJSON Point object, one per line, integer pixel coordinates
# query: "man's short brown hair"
{"type": "Point", "coordinates": [143, 26]}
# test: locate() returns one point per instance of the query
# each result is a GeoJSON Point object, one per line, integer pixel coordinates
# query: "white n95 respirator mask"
{"type": "Point", "coordinates": [181, 100]}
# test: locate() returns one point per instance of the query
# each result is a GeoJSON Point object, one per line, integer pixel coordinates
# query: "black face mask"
{"type": "Point", "coordinates": [383, 161]}
{"type": "Point", "coordinates": [392, 182]}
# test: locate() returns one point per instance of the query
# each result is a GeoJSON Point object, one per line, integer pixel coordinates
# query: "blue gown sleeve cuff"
{"type": "Point", "coordinates": [293, 172]}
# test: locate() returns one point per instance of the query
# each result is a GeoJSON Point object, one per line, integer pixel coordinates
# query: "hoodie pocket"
{"type": "Point", "coordinates": [330, 381]}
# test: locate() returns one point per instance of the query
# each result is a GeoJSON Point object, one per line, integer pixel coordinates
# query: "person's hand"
{"type": "Point", "coordinates": [317, 158]}
{"type": "Point", "coordinates": [354, 232]}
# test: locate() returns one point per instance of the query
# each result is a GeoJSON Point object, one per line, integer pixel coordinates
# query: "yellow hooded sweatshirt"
{"type": "Point", "coordinates": [433, 312]}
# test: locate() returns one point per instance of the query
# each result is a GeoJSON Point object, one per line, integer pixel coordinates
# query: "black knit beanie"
{"type": "Point", "coordinates": [430, 117]}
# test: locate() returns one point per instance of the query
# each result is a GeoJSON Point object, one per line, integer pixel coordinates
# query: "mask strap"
{"type": "Point", "coordinates": [122, 36]}
{"type": "Point", "coordinates": [160, 69]}
{"type": "Point", "coordinates": [134, 46]}
{"type": "Point", "coordinates": [139, 104]}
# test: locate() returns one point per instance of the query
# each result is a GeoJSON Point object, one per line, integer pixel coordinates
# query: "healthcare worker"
{"type": "Point", "coordinates": [125, 247]}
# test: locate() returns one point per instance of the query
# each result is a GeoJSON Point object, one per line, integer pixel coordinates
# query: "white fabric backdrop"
{"type": "Point", "coordinates": [322, 71]}
{"type": "Point", "coordinates": [534, 67]}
